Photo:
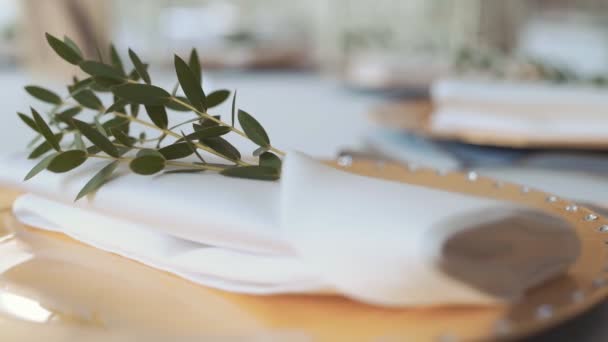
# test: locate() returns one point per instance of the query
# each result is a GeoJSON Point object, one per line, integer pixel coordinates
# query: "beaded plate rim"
{"type": "Point", "coordinates": [545, 315]}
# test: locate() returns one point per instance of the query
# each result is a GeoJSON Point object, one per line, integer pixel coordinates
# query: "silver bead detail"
{"type": "Point", "coordinates": [603, 229]}
{"type": "Point", "coordinates": [345, 160]}
{"type": "Point", "coordinates": [499, 184]}
{"type": "Point", "coordinates": [525, 189]}
{"type": "Point", "coordinates": [502, 327]}
{"type": "Point", "coordinates": [572, 208]}
{"type": "Point", "coordinates": [412, 167]}
{"type": "Point", "coordinates": [441, 172]}
{"type": "Point", "coordinates": [544, 311]}
{"type": "Point", "coordinates": [472, 176]}
{"type": "Point", "coordinates": [578, 296]}
{"type": "Point", "coordinates": [552, 199]}
{"type": "Point", "coordinates": [447, 338]}
{"type": "Point", "coordinates": [599, 282]}
{"type": "Point", "coordinates": [591, 217]}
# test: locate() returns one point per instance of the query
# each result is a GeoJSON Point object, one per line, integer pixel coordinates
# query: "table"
{"type": "Point", "coordinates": [304, 112]}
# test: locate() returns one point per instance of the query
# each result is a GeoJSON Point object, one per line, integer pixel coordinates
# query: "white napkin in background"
{"type": "Point", "coordinates": [319, 230]}
{"type": "Point", "coordinates": [517, 93]}
{"type": "Point", "coordinates": [535, 109]}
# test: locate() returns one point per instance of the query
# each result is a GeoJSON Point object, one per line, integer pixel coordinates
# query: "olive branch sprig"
{"type": "Point", "coordinates": [109, 130]}
{"type": "Point", "coordinates": [499, 65]}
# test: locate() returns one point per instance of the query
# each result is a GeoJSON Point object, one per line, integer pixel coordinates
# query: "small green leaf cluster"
{"type": "Point", "coordinates": [65, 140]}
{"type": "Point", "coordinates": [499, 65]}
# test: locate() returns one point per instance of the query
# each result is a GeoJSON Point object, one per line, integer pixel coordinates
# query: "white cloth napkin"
{"type": "Point", "coordinates": [318, 230]}
{"type": "Point", "coordinates": [536, 109]}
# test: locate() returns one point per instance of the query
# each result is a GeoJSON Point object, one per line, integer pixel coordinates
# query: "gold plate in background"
{"type": "Point", "coordinates": [414, 116]}
{"type": "Point", "coordinates": [53, 288]}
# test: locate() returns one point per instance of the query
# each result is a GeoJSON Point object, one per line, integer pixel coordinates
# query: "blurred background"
{"type": "Point", "coordinates": [514, 89]}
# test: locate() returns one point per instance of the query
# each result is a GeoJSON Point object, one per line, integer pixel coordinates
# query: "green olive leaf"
{"type": "Point", "coordinates": [122, 138]}
{"type": "Point", "coordinates": [101, 86]}
{"type": "Point", "coordinates": [43, 94]}
{"type": "Point", "coordinates": [64, 50]}
{"type": "Point", "coordinates": [258, 151]}
{"type": "Point", "coordinates": [80, 85]}
{"type": "Point", "coordinates": [147, 163]}
{"type": "Point", "coordinates": [118, 106]}
{"type": "Point", "coordinates": [206, 123]}
{"type": "Point", "coordinates": [158, 115]}
{"type": "Point", "coordinates": [176, 151]}
{"type": "Point", "coordinates": [192, 147]}
{"type": "Point", "coordinates": [160, 140]}
{"type": "Point", "coordinates": [207, 132]}
{"type": "Point", "coordinates": [269, 159]}
{"type": "Point", "coordinates": [142, 94]}
{"type": "Point", "coordinates": [96, 138]}
{"type": "Point", "coordinates": [177, 106]}
{"type": "Point", "coordinates": [148, 152]}
{"type": "Point", "coordinates": [211, 132]}
{"type": "Point", "coordinates": [40, 150]}
{"type": "Point", "coordinates": [175, 89]}
{"type": "Point", "coordinates": [67, 161]}
{"type": "Point", "coordinates": [134, 76]}
{"type": "Point", "coordinates": [252, 172]}
{"type": "Point", "coordinates": [88, 99]}
{"type": "Point", "coordinates": [105, 84]}
{"type": "Point", "coordinates": [233, 112]}
{"type": "Point", "coordinates": [141, 69]}
{"type": "Point", "coordinates": [44, 147]}
{"type": "Point", "coordinates": [44, 129]}
{"type": "Point", "coordinates": [253, 129]}
{"type": "Point", "coordinates": [41, 166]}
{"type": "Point", "coordinates": [69, 42]}
{"type": "Point", "coordinates": [217, 97]}
{"type": "Point", "coordinates": [116, 60]}
{"type": "Point", "coordinates": [178, 171]}
{"type": "Point", "coordinates": [218, 165]}
{"type": "Point", "coordinates": [195, 65]}
{"type": "Point", "coordinates": [28, 121]}
{"type": "Point", "coordinates": [118, 123]}
{"type": "Point", "coordinates": [93, 149]}
{"type": "Point", "coordinates": [100, 178]}
{"type": "Point", "coordinates": [134, 107]}
{"type": "Point", "coordinates": [69, 113]}
{"type": "Point", "coordinates": [95, 68]}
{"type": "Point", "coordinates": [222, 147]}
{"type": "Point", "coordinates": [190, 84]}
{"type": "Point", "coordinates": [78, 143]}
{"type": "Point", "coordinates": [100, 128]}
{"type": "Point", "coordinates": [99, 54]}
{"type": "Point", "coordinates": [122, 150]}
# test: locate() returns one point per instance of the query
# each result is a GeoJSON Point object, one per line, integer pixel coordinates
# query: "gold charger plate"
{"type": "Point", "coordinates": [56, 289]}
{"type": "Point", "coordinates": [414, 116]}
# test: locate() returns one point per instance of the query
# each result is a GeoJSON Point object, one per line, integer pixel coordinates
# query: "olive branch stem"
{"type": "Point", "coordinates": [166, 132]}
{"type": "Point", "coordinates": [220, 122]}
{"type": "Point", "coordinates": [169, 162]}
{"type": "Point", "coordinates": [175, 135]}
{"type": "Point", "coordinates": [111, 139]}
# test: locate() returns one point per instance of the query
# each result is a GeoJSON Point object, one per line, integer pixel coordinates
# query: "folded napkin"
{"type": "Point", "coordinates": [319, 230]}
{"type": "Point", "coordinates": [536, 109]}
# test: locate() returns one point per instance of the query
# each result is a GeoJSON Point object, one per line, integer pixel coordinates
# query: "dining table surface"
{"type": "Point", "coordinates": [319, 116]}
